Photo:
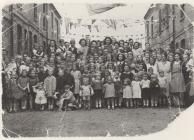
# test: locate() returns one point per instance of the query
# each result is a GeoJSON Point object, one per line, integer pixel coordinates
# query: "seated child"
{"type": "Point", "coordinates": [66, 98]}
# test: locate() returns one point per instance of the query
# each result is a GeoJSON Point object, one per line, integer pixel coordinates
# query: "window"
{"type": "Point", "coordinates": [45, 23]}
{"type": "Point", "coordinates": [183, 44]}
{"type": "Point", "coordinates": [167, 6]}
{"type": "Point", "coordinates": [57, 25]}
{"type": "Point", "coordinates": [160, 19]}
{"type": "Point", "coordinates": [19, 39]}
{"type": "Point", "coordinates": [152, 26]}
{"type": "Point", "coordinates": [30, 43]}
{"type": "Point", "coordinates": [25, 42]}
{"type": "Point", "coordinates": [177, 45]}
{"type": "Point", "coordinates": [35, 39]}
{"type": "Point", "coordinates": [45, 8]}
{"type": "Point", "coordinates": [52, 20]}
{"type": "Point", "coordinates": [182, 6]}
{"type": "Point", "coordinates": [147, 27]}
{"type": "Point", "coordinates": [35, 12]}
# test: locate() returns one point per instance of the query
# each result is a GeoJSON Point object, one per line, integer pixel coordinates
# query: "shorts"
{"type": "Point", "coordinates": [98, 93]}
{"type": "Point", "coordinates": [146, 93]}
{"type": "Point", "coordinates": [154, 92]}
{"type": "Point", "coordinates": [86, 98]}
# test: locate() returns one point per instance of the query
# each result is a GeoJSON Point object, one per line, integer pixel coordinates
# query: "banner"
{"type": "Point", "coordinates": [100, 8]}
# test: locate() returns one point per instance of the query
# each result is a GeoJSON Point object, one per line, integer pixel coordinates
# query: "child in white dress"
{"type": "Point", "coordinates": [127, 93]}
{"type": "Point", "coordinates": [136, 88]}
{"type": "Point", "coordinates": [40, 99]}
{"type": "Point", "coordinates": [86, 91]}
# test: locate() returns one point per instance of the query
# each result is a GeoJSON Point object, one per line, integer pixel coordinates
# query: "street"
{"type": "Point", "coordinates": [118, 122]}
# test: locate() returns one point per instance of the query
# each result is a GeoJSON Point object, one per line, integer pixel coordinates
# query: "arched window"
{"type": "Point", "coordinates": [35, 39]}
{"type": "Point", "coordinates": [183, 45]}
{"type": "Point", "coordinates": [45, 23]}
{"type": "Point", "coordinates": [19, 39]}
{"type": "Point", "coordinates": [30, 43]}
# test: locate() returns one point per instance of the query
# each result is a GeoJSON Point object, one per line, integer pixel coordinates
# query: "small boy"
{"type": "Point", "coordinates": [66, 98]}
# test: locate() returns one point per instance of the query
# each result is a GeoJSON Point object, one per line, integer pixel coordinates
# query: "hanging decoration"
{"type": "Point", "coordinates": [100, 8]}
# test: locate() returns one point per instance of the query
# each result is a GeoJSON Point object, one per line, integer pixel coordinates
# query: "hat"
{"type": "Point", "coordinates": [22, 62]}
{"type": "Point", "coordinates": [39, 84]}
{"type": "Point", "coordinates": [153, 76]}
{"type": "Point", "coordinates": [67, 86]}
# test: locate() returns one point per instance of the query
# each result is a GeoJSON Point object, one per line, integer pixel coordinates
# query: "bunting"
{"type": "Point", "coordinates": [100, 8]}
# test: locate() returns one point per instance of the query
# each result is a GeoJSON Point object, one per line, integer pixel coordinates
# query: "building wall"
{"type": "Point", "coordinates": [23, 16]}
{"type": "Point", "coordinates": [164, 37]}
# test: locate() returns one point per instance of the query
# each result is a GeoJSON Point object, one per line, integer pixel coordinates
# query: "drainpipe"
{"type": "Point", "coordinates": [11, 33]}
{"type": "Point", "coordinates": [173, 26]}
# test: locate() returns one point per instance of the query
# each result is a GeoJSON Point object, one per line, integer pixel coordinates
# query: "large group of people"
{"type": "Point", "coordinates": [107, 73]}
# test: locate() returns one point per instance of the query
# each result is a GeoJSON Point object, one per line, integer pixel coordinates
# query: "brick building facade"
{"type": "Point", "coordinates": [170, 25]}
{"type": "Point", "coordinates": [26, 25]}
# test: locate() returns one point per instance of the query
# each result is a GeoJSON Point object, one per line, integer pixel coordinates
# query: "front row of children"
{"type": "Point", "coordinates": [107, 92]}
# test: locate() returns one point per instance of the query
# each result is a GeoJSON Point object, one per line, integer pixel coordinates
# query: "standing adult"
{"type": "Point", "coordinates": [73, 49]}
{"type": "Point", "coordinates": [177, 84]}
{"type": "Point", "coordinates": [69, 79]}
{"type": "Point", "coordinates": [108, 44]}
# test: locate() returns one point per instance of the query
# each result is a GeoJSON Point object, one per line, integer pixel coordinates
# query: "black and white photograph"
{"type": "Point", "coordinates": [95, 69]}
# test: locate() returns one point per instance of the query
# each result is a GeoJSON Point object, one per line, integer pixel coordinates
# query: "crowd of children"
{"type": "Point", "coordinates": [98, 74]}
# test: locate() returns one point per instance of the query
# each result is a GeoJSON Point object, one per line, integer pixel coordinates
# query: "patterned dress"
{"type": "Point", "coordinates": [50, 85]}
{"type": "Point", "coordinates": [109, 90]}
{"type": "Point", "coordinates": [127, 92]}
{"type": "Point", "coordinates": [177, 84]}
{"type": "Point", "coordinates": [136, 89]}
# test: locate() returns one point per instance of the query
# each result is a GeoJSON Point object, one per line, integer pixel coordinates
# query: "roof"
{"type": "Point", "coordinates": [150, 10]}
{"type": "Point", "coordinates": [55, 10]}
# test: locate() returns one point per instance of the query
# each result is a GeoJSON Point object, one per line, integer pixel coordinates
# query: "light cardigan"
{"type": "Point", "coordinates": [50, 85]}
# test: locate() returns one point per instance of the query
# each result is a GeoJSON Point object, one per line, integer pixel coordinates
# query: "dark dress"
{"type": "Point", "coordinates": [60, 82]}
{"type": "Point", "coordinates": [32, 82]}
{"type": "Point", "coordinates": [97, 87]}
{"type": "Point", "coordinates": [69, 80]}
{"type": "Point", "coordinates": [42, 76]}
{"type": "Point", "coordinates": [125, 75]}
{"type": "Point", "coordinates": [22, 81]}
{"type": "Point", "coordinates": [13, 90]}
{"type": "Point", "coordinates": [154, 88]}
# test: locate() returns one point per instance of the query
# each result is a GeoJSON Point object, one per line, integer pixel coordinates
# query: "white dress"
{"type": "Point", "coordinates": [40, 97]}
{"type": "Point", "coordinates": [127, 92]}
{"type": "Point", "coordinates": [77, 75]}
{"type": "Point", "coordinates": [136, 89]}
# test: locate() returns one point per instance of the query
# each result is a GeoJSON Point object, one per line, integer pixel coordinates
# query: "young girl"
{"type": "Point", "coordinates": [77, 75]}
{"type": "Point", "coordinates": [97, 84]}
{"type": "Point", "coordinates": [33, 80]}
{"type": "Point", "coordinates": [127, 93]}
{"type": "Point", "coordinates": [177, 84]}
{"type": "Point", "coordinates": [50, 87]}
{"type": "Point", "coordinates": [40, 99]}
{"type": "Point", "coordinates": [118, 89]}
{"type": "Point", "coordinates": [109, 91]}
{"type": "Point", "coordinates": [145, 85]}
{"type": "Point", "coordinates": [23, 84]}
{"type": "Point", "coordinates": [154, 90]}
{"type": "Point", "coordinates": [86, 93]}
{"type": "Point", "coordinates": [163, 96]}
{"type": "Point", "coordinates": [136, 88]}
{"type": "Point", "coordinates": [13, 93]}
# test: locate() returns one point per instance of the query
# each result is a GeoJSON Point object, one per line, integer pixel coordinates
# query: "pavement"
{"type": "Point", "coordinates": [97, 122]}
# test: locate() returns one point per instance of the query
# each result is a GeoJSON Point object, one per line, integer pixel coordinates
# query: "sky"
{"type": "Point", "coordinates": [130, 12]}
